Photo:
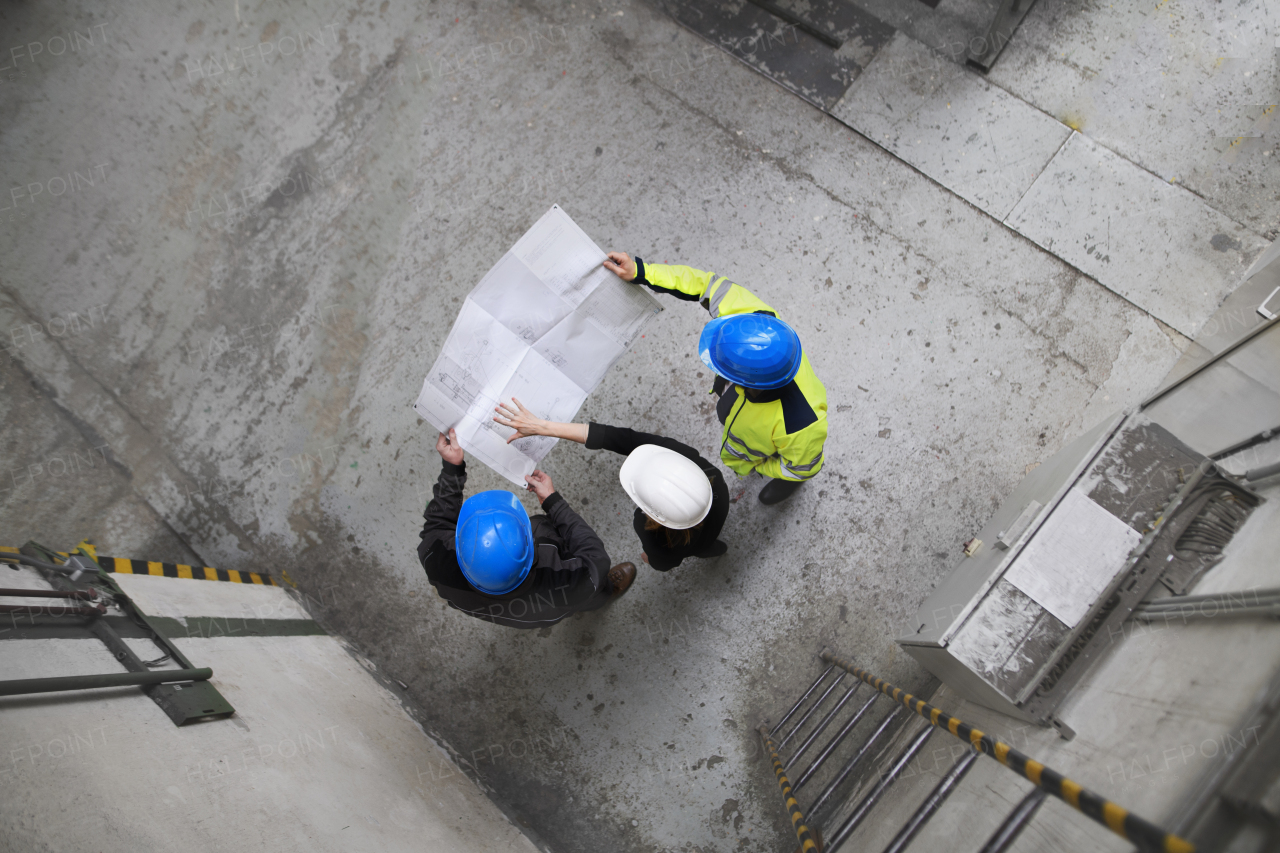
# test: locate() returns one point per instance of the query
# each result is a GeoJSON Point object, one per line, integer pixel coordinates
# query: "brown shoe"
{"type": "Point", "coordinates": [620, 577]}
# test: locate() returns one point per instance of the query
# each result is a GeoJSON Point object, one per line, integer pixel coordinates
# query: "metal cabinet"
{"type": "Point", "coordinates": [1016, 616]}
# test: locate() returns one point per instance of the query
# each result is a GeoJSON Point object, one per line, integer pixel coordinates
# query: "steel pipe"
{"type": "Point", "coordinates": [1262, 472]}
{"type": "Point", "coordinates": [809, 713]}
{"type": "Point", "coordinates": [1259, 596]}
{"type": "Point", "coordinates": [1169, 614]}
{"type": "Point", "coordinates": [933, 802]}
{"type": "Point", "coordinates": [53, 593]}
{"type": "Point", "coordinates": [822, 726]}
{"type": "Point", "coordinates": [863, 808]}
{"type": "Point", "coordinates": [1266, 602]}
{"type": "Point", "coordinates": [807, 694]}
{"type": "Point", "coordinates": [49, 610]}
{"type": "Point", "coordinates": [803, 833]}
{"type": "Point", "coordinates": [22, 686]}
{"type": "Point", "coordinates": [1142, 833]}
{"type": "Point", "coordinates": [1007, 833]}
{"type": "Point", "coordinates": [853, 762]}
{"type": "Point", "coordinates": [835, 742]}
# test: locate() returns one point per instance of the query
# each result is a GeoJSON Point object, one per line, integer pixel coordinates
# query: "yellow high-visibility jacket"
{"type": "Point", "coordinates": [781, 433]}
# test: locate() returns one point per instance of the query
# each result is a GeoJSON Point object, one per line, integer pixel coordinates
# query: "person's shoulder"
{"type": "Point", "coordinates": [797, 412]}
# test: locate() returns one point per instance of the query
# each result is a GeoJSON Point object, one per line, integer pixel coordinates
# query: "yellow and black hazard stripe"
{"type": "Point", "coordinates": [807, 842]}
{"type": "Point", "coordinates": [1147, 836]}
{"type": "Point", "coordinates": [122, 566]}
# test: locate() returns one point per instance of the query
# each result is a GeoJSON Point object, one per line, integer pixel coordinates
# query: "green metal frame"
{"type": "Point", "coordinates": [184, 703]}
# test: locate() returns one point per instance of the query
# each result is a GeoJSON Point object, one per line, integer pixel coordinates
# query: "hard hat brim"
{"type": "Point", "coordinates": [707, 353]}
{"type": "Point", "coordinates": [633, 470]}
{"type": "Point", "coordinates": [508, 504]}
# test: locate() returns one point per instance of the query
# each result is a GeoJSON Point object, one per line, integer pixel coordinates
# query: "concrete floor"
{"type": "Point", "coordinates": [274, 247]}
{"type": "Point", "coordinates": [319, 755]}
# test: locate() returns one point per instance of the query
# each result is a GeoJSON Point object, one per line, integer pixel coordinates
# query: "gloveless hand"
{"type": "Point", "coordinates": [524, 422]}
{"type": "Point", "coordinates": [540, 484]}
{"type": "Point", "coordinates": [621, 265]}
{"type": "Point", "coordinates": [449, 448]}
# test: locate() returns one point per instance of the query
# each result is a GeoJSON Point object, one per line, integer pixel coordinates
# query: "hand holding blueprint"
{"type": "Point", "coordinates": [545, 325]}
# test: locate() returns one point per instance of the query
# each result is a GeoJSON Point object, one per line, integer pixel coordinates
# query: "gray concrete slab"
{"type": "Point", "coordinates": [65, 471]}
{"type": "Point", "coordinates": [283, 253]}
{"type": "Point", "coordinates": [1237, 315]}
{"type": "Point", "coordinates": [975, 139]}
{"type": "Point", "coordinates": [1182, 90]}
{"type": "Point", "coordinates": [1155, 244]}
{"type": "Point", "coordinates": [319, 756]}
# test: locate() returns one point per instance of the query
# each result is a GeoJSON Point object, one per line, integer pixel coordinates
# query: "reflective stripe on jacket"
{"type": "Point", "coordinates": [781, 433]}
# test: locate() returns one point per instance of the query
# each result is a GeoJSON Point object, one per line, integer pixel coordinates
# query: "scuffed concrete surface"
{"type": "Point", "coordinates": [1186, 90]}
{"type": "Point", "coordinates": [252, 373]}
{"type": "Point", "coordinates": [62, 474]}
{"type": "Point", "coordinates": [1183, 89]}
{"type": "Point", "coordinates": [320, 755]}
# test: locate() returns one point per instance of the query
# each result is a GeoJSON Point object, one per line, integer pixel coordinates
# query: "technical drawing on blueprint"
{"type": "Point", "coordinates": [544, 324]}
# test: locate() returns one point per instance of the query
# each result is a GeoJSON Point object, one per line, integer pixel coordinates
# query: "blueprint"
{"type": "Point", "coordinates": [544, 324]}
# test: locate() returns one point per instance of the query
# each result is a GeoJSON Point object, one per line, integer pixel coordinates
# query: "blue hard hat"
{"type": "Point", "coordinates": [752, 350]}
{"type": "Point", "coordinates": [494, 541]}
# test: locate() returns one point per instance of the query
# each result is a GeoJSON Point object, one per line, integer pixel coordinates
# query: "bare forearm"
{"type": "Point", "coordinates": [572, 432]}
{"type": "Point", "coordinates": [526, 423]}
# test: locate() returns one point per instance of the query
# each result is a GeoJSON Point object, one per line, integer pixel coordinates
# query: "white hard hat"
{"type": "Point", "coordinates": [670, 488]}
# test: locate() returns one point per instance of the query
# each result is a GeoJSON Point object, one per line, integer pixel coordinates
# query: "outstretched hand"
{"type": "Point", "coordinates": [449, 448]}
{"type": "Point", "coordinates": [524, 422]}
{"type": "Point", "coordinates": [540, 484]}
{"type": "Point", "coordinates": [621, 265]}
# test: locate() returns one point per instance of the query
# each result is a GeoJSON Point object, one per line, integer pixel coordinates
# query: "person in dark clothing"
{"type": "Point", "coordinates": [690, 514]}
{"type": "Point", "coordinates": [517, 571]}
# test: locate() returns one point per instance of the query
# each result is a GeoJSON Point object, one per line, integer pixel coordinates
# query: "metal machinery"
{"type": "Point", "coordinates": [92, 604]}
{"type": "Point", "coordinates": [1141, 505]}
{"type": "Point", "coordinates": [1134, 502]}
{"type": "Point", "coordinates": [1119, 524]}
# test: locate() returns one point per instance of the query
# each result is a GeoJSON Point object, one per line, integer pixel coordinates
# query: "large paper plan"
{"type": "Point", "coordinates": [544, 324]}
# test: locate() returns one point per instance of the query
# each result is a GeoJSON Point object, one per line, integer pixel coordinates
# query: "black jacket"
{"type": "Point", "coordinates": [661, 556]}
{"type": "Point", "coordinates": [570, 570]}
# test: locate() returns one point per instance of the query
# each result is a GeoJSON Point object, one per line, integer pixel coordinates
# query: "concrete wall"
{"type": "Point", "coordinates": [319, 755]}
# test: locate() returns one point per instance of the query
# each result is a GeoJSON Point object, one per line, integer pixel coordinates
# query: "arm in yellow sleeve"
{"type": "Point", "coordinates": [680, 281]}
{"type": "Point", "coordinates": [798, 456]}
{"type": "Point", "coordinates": [720, 296]}
{"type": "Point", "coordinates": [772, 467]}
{"type": "Point", "coordinates": [741, 467]}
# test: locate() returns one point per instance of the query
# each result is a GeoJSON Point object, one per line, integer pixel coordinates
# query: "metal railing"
{"type": "Point", "coordinates": [1148, 837]}
{"type": "Point", "coordinates": [807, 842]}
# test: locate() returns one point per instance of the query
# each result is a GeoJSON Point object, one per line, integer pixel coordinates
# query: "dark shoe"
{"type": "Point", "coordinates": [777, 491]}
{"type": "Point", "coordinates": [620, 578]}
{"type": "Point", "coordinates": [715, 549]}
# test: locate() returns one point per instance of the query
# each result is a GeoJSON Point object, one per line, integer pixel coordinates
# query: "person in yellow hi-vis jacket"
{"type": "Point", "coordinates": [772, 405]}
